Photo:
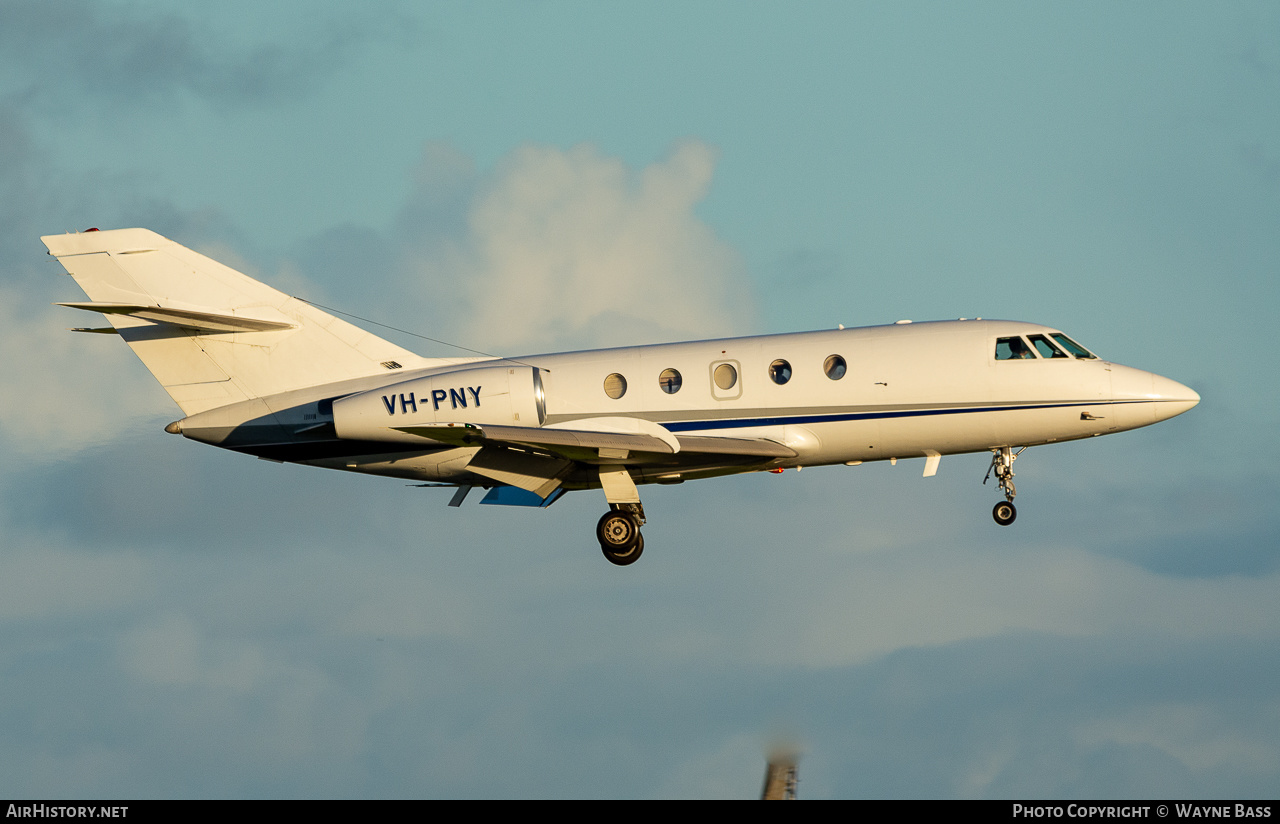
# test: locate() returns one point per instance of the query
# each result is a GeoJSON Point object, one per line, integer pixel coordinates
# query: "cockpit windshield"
{"type": "Point", "coordinates": [1013, 349]}
{"type": "Point", "coordinates": [1073, 347]}
{"type": "Point", "coordinates": [1046, 348]}
{"type": "Point", "coordinates": [1016, 347]}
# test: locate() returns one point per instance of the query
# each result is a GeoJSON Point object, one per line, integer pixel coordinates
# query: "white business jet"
{"type": "Point", "coordinates": [257, 371]}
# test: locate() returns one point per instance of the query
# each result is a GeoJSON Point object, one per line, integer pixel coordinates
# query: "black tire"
{"type": "Point", "coordinates": [617, 531]}
{"type": "Point", "coordinates": [625, 558]}
{"type": "Point", "coordinates": [1004, 513]}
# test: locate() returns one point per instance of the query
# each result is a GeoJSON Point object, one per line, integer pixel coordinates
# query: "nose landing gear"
{"type": "Point", "coordinates": [1002, 464]}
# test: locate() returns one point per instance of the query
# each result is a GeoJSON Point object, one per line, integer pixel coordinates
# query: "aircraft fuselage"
{"type": "Point", "coordinates": [905, 391]}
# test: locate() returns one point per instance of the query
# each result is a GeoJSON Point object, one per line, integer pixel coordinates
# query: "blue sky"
{"type": "Point", "coordinates": [177, 621]}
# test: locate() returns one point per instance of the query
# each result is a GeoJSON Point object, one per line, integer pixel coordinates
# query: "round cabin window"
{"type": "Point", "coordinates": [615, 386]}
{"type": "Point", "coordinates": [670, 381]}
{"type": "Point", "coordinates": [835, 367]}
{"type": "Point", "coordinates": [780, 371]}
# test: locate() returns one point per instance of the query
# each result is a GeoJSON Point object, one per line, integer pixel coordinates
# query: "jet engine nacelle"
{"type": "Point", "coordinates": [507, 395]}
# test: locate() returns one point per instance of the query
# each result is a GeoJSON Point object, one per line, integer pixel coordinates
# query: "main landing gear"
{"type": "Point", "coordinates": [619, 533]}
{"type": "Point", "coordinates": [619, 528]}
{"type": "Point", "coordinates": [1002, 464]}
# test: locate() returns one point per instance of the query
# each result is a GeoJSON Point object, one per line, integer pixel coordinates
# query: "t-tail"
{"type": "Point", "coordinates": [211, 335]}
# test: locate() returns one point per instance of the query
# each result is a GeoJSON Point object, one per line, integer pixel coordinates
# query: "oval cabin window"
{"type": "Point", "coordinates": [725, 376]}
{"type": "Point", "coordinates": [615, 386]}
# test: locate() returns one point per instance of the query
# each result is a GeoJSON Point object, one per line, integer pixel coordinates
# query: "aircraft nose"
{"type": "Point", "coordinates": [1146, 397]}
{"type": "Point", "coordinates": [1172, 397]}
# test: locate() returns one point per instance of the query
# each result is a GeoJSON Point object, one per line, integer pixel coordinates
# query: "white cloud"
{"type": "Point", "coordinates": [66, 390]}
{"type": "Point", "coordinates": [563, 249]}
{"type": "Point", "coordinates": [1200, 737]}
{"type": "Point", "coordinates": [869, 606]}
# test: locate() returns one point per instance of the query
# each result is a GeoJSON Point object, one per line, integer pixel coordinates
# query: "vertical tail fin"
{"type": "Point", "coordinates": [211, 335]}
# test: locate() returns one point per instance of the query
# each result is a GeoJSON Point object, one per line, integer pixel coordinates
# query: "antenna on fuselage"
{"type": "Point", "coordinates": [407, 332]}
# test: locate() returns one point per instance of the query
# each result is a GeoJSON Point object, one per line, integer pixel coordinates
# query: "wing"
{"type": "Point", "coordinates": [543, 459]}
{"type": "Point", "coordinates": [599, 447]}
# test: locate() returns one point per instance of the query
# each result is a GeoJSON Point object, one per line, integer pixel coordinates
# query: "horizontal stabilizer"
{"type": "Point", "coordinates": [201, 320]}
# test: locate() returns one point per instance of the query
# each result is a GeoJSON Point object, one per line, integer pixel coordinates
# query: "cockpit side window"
{"type": "Point", "coordinates": [1046, 348]}
{"type": "Point", "coordinates": [1013, 349]}
{"type": "Point", "coordinates": [1073, 347]}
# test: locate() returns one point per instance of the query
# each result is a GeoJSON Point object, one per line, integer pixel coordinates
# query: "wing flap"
{"type": "Point", "coordinates": [538, 474]}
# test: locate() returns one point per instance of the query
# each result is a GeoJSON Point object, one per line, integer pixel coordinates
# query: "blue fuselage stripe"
{"type": "Point", "coordinates": [835, 417]}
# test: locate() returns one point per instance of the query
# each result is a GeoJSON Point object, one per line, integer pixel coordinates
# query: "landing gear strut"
{"type": "Point", "coordinates": [619, 533]}
{"type": "Point", "coordinates": [619, 528]}
{"type": "Point", "coordinates": [1002, 464]}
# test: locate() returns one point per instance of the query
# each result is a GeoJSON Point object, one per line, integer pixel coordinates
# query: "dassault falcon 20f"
{"type": "Point", "coordinates": [257, 371]}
